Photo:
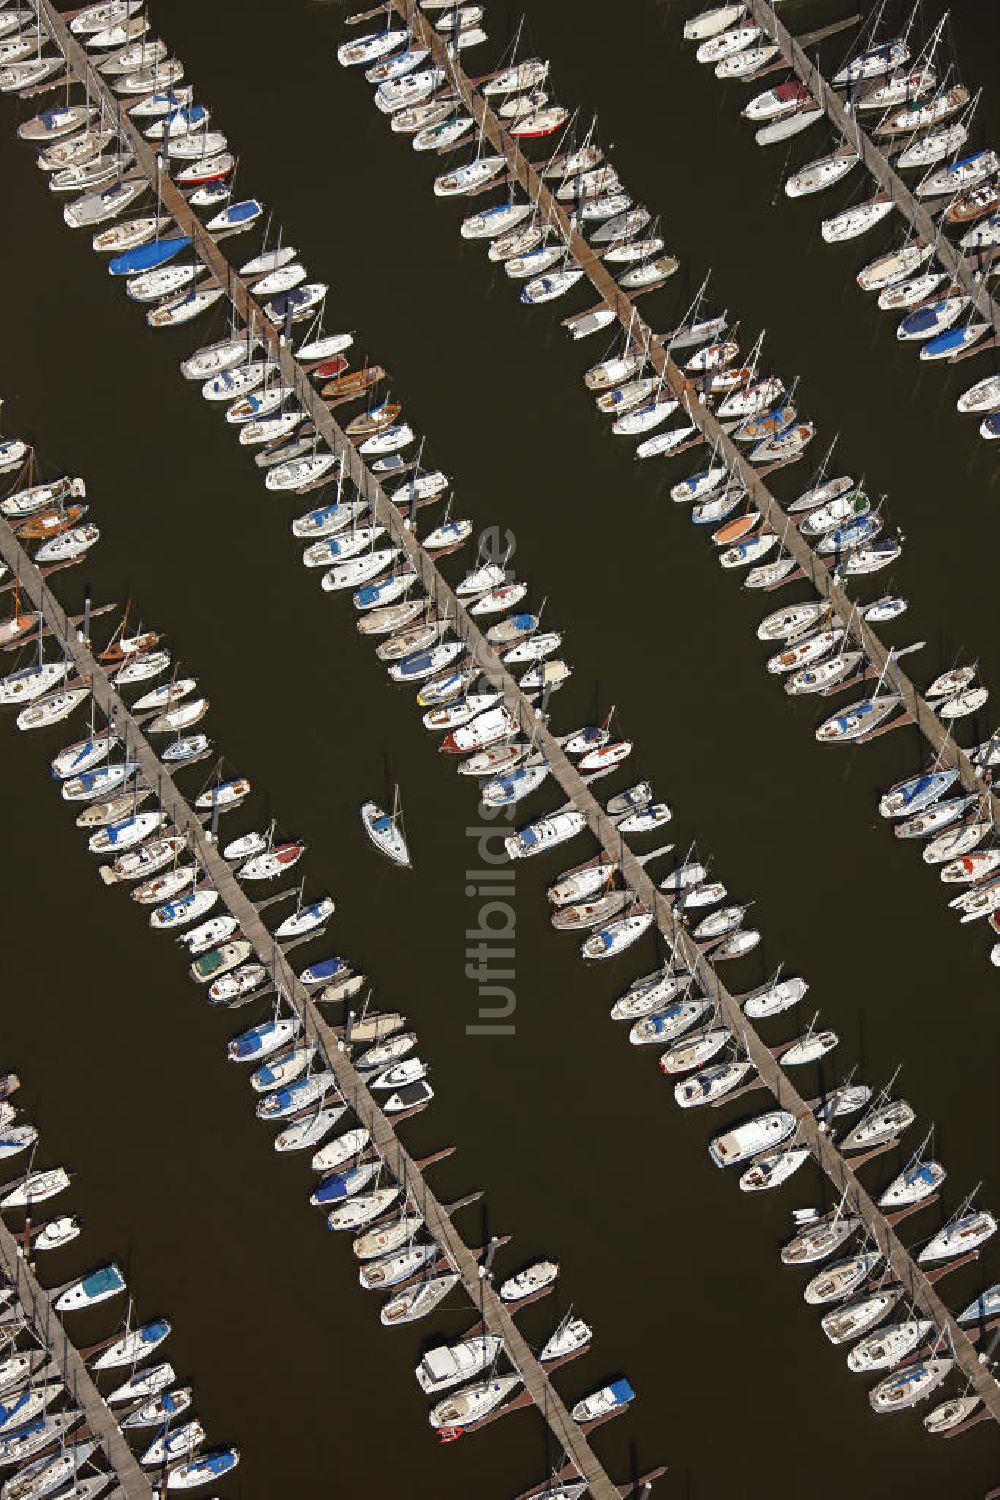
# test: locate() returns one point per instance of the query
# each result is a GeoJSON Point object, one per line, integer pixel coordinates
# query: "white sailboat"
{"type": "Point", "coordinates": [385, 831]}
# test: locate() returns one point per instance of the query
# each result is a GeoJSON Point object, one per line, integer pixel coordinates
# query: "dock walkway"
{"type": "Point", "coordinates": [37, 1307]}
{"type": "Point", "coordinates": [833, 1163]}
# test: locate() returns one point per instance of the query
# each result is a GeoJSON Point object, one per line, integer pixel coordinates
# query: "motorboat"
{"type": "Point", "coordinates": [534, 1279]}
{"type": "Point", "coordinates": [603, 1403]}
{"type": "Point", "coordinates": [545, 834]}
{"type": "Point", "coordinates": [778, 103]}
{"type": "Point", "coordinates": [96, 1287]}
{"type": "Point", "coordinates": [451, 1364]}
{"type": "Point", "coordinates": [489, 728]}
{"type": "Point", "coordinates": [759, 1134]}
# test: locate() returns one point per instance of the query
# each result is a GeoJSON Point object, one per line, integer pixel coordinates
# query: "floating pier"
{"type": "Point", "coordinates": [496, 1315]}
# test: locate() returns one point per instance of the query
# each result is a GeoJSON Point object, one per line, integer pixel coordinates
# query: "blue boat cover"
{"type": "Point", "coordinates": [952, 338]}
{"type": "Point", "coordinates": [107, 1279]}
{"type": "Point", "coordinates": [415, 663]}
{"type": "Point", "coordinates": [7, 1412]}
{"type": "Point", "coordinates": [325, 968]}
{"type": "Point", "coordinates": [622, 1391]}
{"type": "Point", "coordinates": [529, 838]}
{"type": "Point", "coordinates": [248, 209]}
{"type": "Point", "coordinates": [332, 1189]}
{"type": "Point", "coordinates": [148, 257]}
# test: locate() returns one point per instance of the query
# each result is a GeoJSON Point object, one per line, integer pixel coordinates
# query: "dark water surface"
{"type": "Point", "coordinates": [572, 1132]}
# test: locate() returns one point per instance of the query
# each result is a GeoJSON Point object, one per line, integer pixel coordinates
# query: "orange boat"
{"type": "Point", "coordinates": [975, 204]}
{"type": "Point", "coordinates": [122, 646]}
{"type": "Point", "coordinates": [17, 627]}
{"type": "Point", "coordinates": [49, 523]}
{"type": "Point", "coordinates": [736, 529]}
{"type": "Point", "coordinates": [353, 384]}
{"type": "Point", "coordinates": [373, 421]}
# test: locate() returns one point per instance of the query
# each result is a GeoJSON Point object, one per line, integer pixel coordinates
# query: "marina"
{"type": "Point", "coordinates": [51, 1443]}
{"type": "Point", "coordinates": [842, 550]}
{"type": "Point", "coordinates": [335, 1078]}
{"type": "Point", "coordinates": [689, 954]}
{"type": "Point", "coordinates": [386, 801]}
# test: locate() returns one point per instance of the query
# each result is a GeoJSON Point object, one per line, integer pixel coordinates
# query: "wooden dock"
{"type": "Point", "coordinates": [37, 1307]}
{"type": "Point", "coordinates": [846, 1183]}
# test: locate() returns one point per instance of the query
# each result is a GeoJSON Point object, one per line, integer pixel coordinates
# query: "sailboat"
{"type": "Point", "coordinates": [385, 832]}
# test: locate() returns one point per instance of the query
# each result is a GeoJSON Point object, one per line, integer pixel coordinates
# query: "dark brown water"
{"type": "Point", "coordinates": [570, 1130]}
